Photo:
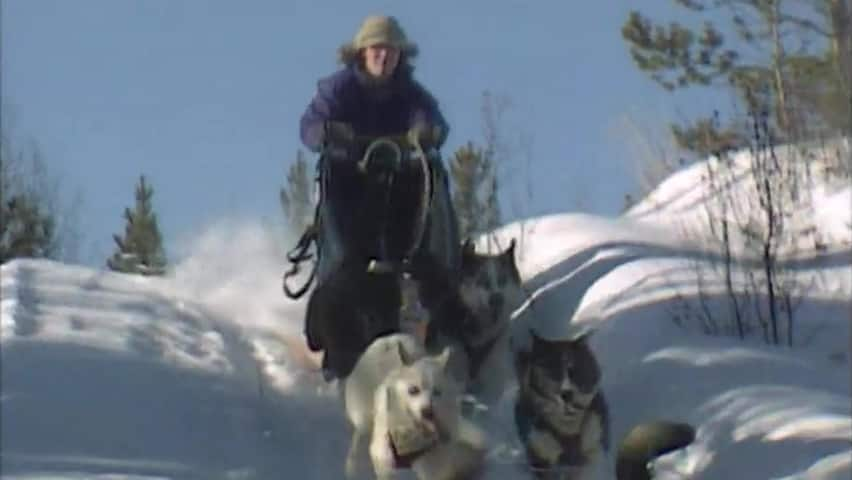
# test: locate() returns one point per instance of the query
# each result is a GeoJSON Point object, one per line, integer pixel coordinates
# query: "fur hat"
{"type": "Point", "coordinates": [376, 29]}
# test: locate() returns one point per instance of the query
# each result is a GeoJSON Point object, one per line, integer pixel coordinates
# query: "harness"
{"type": "Point", "coordinates": [405, 460]}
{"type": "Point", "coordinates": [298, 255]}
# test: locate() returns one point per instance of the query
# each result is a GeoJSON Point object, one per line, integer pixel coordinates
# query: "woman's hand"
{"type": "Point", "coordinates": [425, 135]}
{"type": "Point", "coordinates": [339, 133]}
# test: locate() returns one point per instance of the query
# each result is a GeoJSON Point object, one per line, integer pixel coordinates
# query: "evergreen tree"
{"type": "Point", "coordinates": [296, 198]}
{"type": "Point", "coordinates": [27, 226]}
{"type": "Point", "coordinates": [25, 229]}
{"type": "Point", "coordinates": [474, 190]}
{"type": "Point", "coordinates": [140, 251]}
{"type": "Point", "coordinates": [801, 89]}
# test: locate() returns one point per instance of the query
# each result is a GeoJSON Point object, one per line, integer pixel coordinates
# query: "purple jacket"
{"type": "Point", "coordinates": [344, 96]}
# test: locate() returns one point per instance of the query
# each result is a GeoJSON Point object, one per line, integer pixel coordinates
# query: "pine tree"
{"type": "Point", "coordinates": [295, 197]}
{"type": "Point", "coordinates": [140, 251]}
{"type": "Point", "coordinates": [801, 89]}
{"type": "Point", "coordinates": [27, 227]}
{"type": "Point", "coordinates": [474, 190]}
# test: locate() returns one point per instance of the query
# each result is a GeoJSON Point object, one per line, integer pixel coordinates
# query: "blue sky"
{"type": "Point", "coordinates": [204, 97]}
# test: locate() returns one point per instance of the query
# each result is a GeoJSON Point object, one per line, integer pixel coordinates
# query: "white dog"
{"type": "Point", "coordinates": [403, 402]}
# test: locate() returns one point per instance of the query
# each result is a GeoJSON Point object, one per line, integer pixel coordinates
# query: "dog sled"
{"type": "Point", "coordinates": [383, 212]}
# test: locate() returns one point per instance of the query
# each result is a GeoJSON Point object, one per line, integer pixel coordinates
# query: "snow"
{"type": "Point", "coordinates": [199, 374]}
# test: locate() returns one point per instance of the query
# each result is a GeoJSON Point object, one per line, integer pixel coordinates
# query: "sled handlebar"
{"type": "Point", "coordinates": [389, 151]}
{"type": "Point", "coordinates": [418, 137]}
{"type": "Point", "coordinates": [406, 141]}
{"type": "Point", "coordinates": [400, 139]}
{"type": "Point", "coordinates": [391, 155]}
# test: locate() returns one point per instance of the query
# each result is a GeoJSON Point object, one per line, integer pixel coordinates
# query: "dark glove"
{"type": "Point", "coordinates": [339, 133]}
{"type": "Point", "coordinates": [425, 135]}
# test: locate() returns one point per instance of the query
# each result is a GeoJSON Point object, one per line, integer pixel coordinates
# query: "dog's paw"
{"type": "Point", "coordinates": [382, 457]}
{"type": "Point", "coordinates": [351, 468]}
{"type": "Point", "coordinates": [354, 468]}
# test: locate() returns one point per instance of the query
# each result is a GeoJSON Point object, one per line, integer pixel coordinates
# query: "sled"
{"type": "Point", "coordinates": [372, 227]}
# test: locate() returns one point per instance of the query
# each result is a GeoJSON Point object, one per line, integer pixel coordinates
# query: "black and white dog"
{"type": "Point", "coordinates": [561, 414]}
{"type": "Point", "coordinates": [489, 290]}
{"type": "Point", "coordinates": [563, 420]}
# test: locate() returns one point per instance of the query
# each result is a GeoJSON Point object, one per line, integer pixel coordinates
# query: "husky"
{"type": "Point", "coordinates": [489, 289]}
{"type": "Point", "coordinates": [563, 420]}
{"type": "Point", "coordinates": [401, 401]}
{"type": "Point", "coordinates": [561, 415]}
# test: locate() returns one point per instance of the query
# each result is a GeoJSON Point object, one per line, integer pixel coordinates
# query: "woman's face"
{"type": "Point", "coordinates": [381, 60]}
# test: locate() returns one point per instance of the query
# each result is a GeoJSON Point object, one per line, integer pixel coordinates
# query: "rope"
{"type": "Point", "coordinates": [298, 255]}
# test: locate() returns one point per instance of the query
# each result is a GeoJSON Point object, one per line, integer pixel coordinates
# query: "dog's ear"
{"type": "Point", "coordinates": [443, 358]}
{"type": "Point", "coordinates": [468, 256]}
{"type": "Point", "coordinates": [510, 251]}
{"type": "Point", "coordinates": [468, 248]}
{"type": "Point", "coordinates": [508, 259]}
{"type": "Point", "coordinates": [407, 358]}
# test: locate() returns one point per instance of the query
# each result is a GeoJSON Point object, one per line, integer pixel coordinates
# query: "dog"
{"type": "Point", "coordinates": [489, 290]}
{"type": "Point", "coordinates": [563, 420]}
{"type": "Point", "coordinates": [401, 400]}
{"type": "Point", "coordinates": [561, 415]}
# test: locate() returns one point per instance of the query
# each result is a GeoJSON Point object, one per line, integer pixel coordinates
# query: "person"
{"type": "Point", "coordinates": [373, 94]}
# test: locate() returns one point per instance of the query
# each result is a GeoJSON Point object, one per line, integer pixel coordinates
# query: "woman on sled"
{"type": "Point", "coordinates": [372, 209]}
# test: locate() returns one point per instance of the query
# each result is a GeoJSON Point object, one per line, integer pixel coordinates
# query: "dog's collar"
{"type": "Point", "coordinates": [404, 461]}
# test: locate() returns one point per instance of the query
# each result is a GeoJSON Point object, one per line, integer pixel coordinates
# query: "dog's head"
{"type": "Point", "coordinates": [563, 379]}
{"type": "Point", "coordinates": [490, 288]}
{"type": "Point", "coordinates": [423, 391]}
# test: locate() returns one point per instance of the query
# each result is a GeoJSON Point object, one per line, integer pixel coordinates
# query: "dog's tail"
{"type": "Point", "coordinates": [646, 442]}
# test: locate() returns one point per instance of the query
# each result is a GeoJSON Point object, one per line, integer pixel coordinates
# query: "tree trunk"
{"type": "Point", "coordinates": [841, 48]}
{"type": "Point", "coordinates": [778, 59]}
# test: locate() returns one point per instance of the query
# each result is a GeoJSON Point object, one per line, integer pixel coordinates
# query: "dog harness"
{"type": "Point", "coordinates": [405, 460]}
{"type": "Point", "coordinates": [407, 445]}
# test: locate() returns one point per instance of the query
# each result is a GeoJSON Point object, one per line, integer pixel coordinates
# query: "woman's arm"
{"type": "Point", "coordinates": [324, 107]}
